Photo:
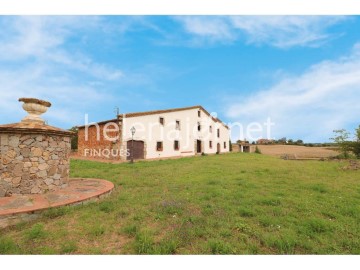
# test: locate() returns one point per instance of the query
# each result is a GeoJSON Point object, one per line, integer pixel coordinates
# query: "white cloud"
{"type": "Point", "coordinates": [43, 38]}
{"type": "Point", "coordinates": [286, 31]}
{"type": "Point", "coordinates": [214, 28]}
{"type": "Point", "coordinates": [310, 105]}
{"type": "Point", "coordinates": [69, 98]}
{"type": "Point", "coordinates": [278, 31]}
{"type": "Point", "coordinates": [36, 62]}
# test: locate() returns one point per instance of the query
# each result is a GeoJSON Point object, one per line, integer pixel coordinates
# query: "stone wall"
{"type": "Point", "coordinates": [236, 147]}
{"type": "Point", "coordinates": [33, 163]}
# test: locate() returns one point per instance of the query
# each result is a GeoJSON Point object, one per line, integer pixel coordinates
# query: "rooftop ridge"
{"type": "Point", "coordinates": [143, 113]}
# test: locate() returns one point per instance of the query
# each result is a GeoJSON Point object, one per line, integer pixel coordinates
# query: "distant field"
{"type": "Point", "coordinates": [236, 203]}
{"type": "Point", "coordinates": [299, 151]}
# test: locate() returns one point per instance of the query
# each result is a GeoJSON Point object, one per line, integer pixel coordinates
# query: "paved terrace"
{"type": "Point", "coordinates": [27, 207]}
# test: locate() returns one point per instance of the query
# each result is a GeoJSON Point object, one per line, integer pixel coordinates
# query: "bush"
{"type": "Point", "coordinates": [257, 150]}
{"type": "Point", "coordinates": [341, 138]}
{"type": "Point", "coordinates": [356, 149]}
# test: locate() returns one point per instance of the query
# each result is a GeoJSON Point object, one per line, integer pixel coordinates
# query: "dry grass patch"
{"type": "Point", "coordinates": [298, 151]}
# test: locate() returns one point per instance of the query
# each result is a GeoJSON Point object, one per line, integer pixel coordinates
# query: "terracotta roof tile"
{"type": "Point", "coordinates": [137, 114]}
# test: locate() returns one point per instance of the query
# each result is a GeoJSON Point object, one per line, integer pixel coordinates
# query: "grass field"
{"type": "Point", "coordinates": [225, 204]}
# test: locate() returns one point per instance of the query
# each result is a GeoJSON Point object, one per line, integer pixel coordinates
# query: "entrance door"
{"type": "Point", "coordinates": [138, 149]}
{"type": "Point", "coordinates": [198, 146]}
{"type": "Point", "coordinates": [218, 148]}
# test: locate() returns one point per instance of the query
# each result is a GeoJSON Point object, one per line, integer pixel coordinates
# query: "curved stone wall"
{"type": "Point", "coordinates": [33, 163]}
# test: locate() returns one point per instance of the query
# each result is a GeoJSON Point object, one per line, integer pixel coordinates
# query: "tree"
{"type": "Point", "coordinates": [342, 140]}
{"type": "Point", "coordinates": [356, 143]}
{"type": "Point", "coordinates": [282, 140]}
{"type": "Point", "coordinates": [299, 142]}
{"type": "Point", "coordinates": [74, 138]}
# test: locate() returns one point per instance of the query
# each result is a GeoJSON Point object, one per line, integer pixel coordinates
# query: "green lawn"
{"type": "Point", "coordinates": [224, 204]}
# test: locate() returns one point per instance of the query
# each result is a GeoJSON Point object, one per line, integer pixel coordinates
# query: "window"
{"type": "Point", "coordinates": [177, 124]}
{"type": "Point", "coordinates": [210, 129]}
{"type": "Point", "coordinates": [218, 132]}
{"type": "Point", "coordinates": [210, 144]}
{"type": "Point", "coordinates": [224, 145]}
{"type": "Point", "coordinates": [176, 145]}
{"type": "Point", "coordinates": [199, 113]}
{"type": "Point", "coordinates": [159, 146]}
{"type": "Point", "coordinates": [161, 120]}
{"type": "Point", "coordinates": [199, 126]}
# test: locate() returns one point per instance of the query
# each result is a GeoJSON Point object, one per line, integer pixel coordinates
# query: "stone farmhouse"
{"type": "Point", "coordinates": [155, 134]}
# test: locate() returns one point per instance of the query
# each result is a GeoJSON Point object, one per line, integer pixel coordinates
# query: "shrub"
{"type": "Point", "coordinates": [341, 138]}
{"type": "Point", "coordinates": [257, 150]}
{"type": "Point", "coordinates": [355, 146]}
{"type": "Point", "coordinates": [356, 149]}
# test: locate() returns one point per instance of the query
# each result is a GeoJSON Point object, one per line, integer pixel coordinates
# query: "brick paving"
{"type": "Point", "coordinates": [16, 208]}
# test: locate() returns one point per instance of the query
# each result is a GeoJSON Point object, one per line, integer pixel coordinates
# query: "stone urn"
{"type": "Point", "coordinates": [35, 108]}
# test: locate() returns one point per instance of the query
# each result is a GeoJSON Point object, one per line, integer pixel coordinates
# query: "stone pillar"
{"type": "Point", "coordinates": [34, 157]}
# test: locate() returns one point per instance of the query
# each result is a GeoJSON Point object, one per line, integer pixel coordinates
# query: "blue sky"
{"type": "Point", "coordinates": [302, 71]}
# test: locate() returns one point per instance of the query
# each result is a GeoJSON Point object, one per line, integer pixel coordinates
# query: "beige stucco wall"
{"type": "Point", "coordinates": [149, 130]}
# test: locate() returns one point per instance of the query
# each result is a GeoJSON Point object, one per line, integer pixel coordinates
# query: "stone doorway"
{"type": "Point", "coordinates": [198, 146]}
